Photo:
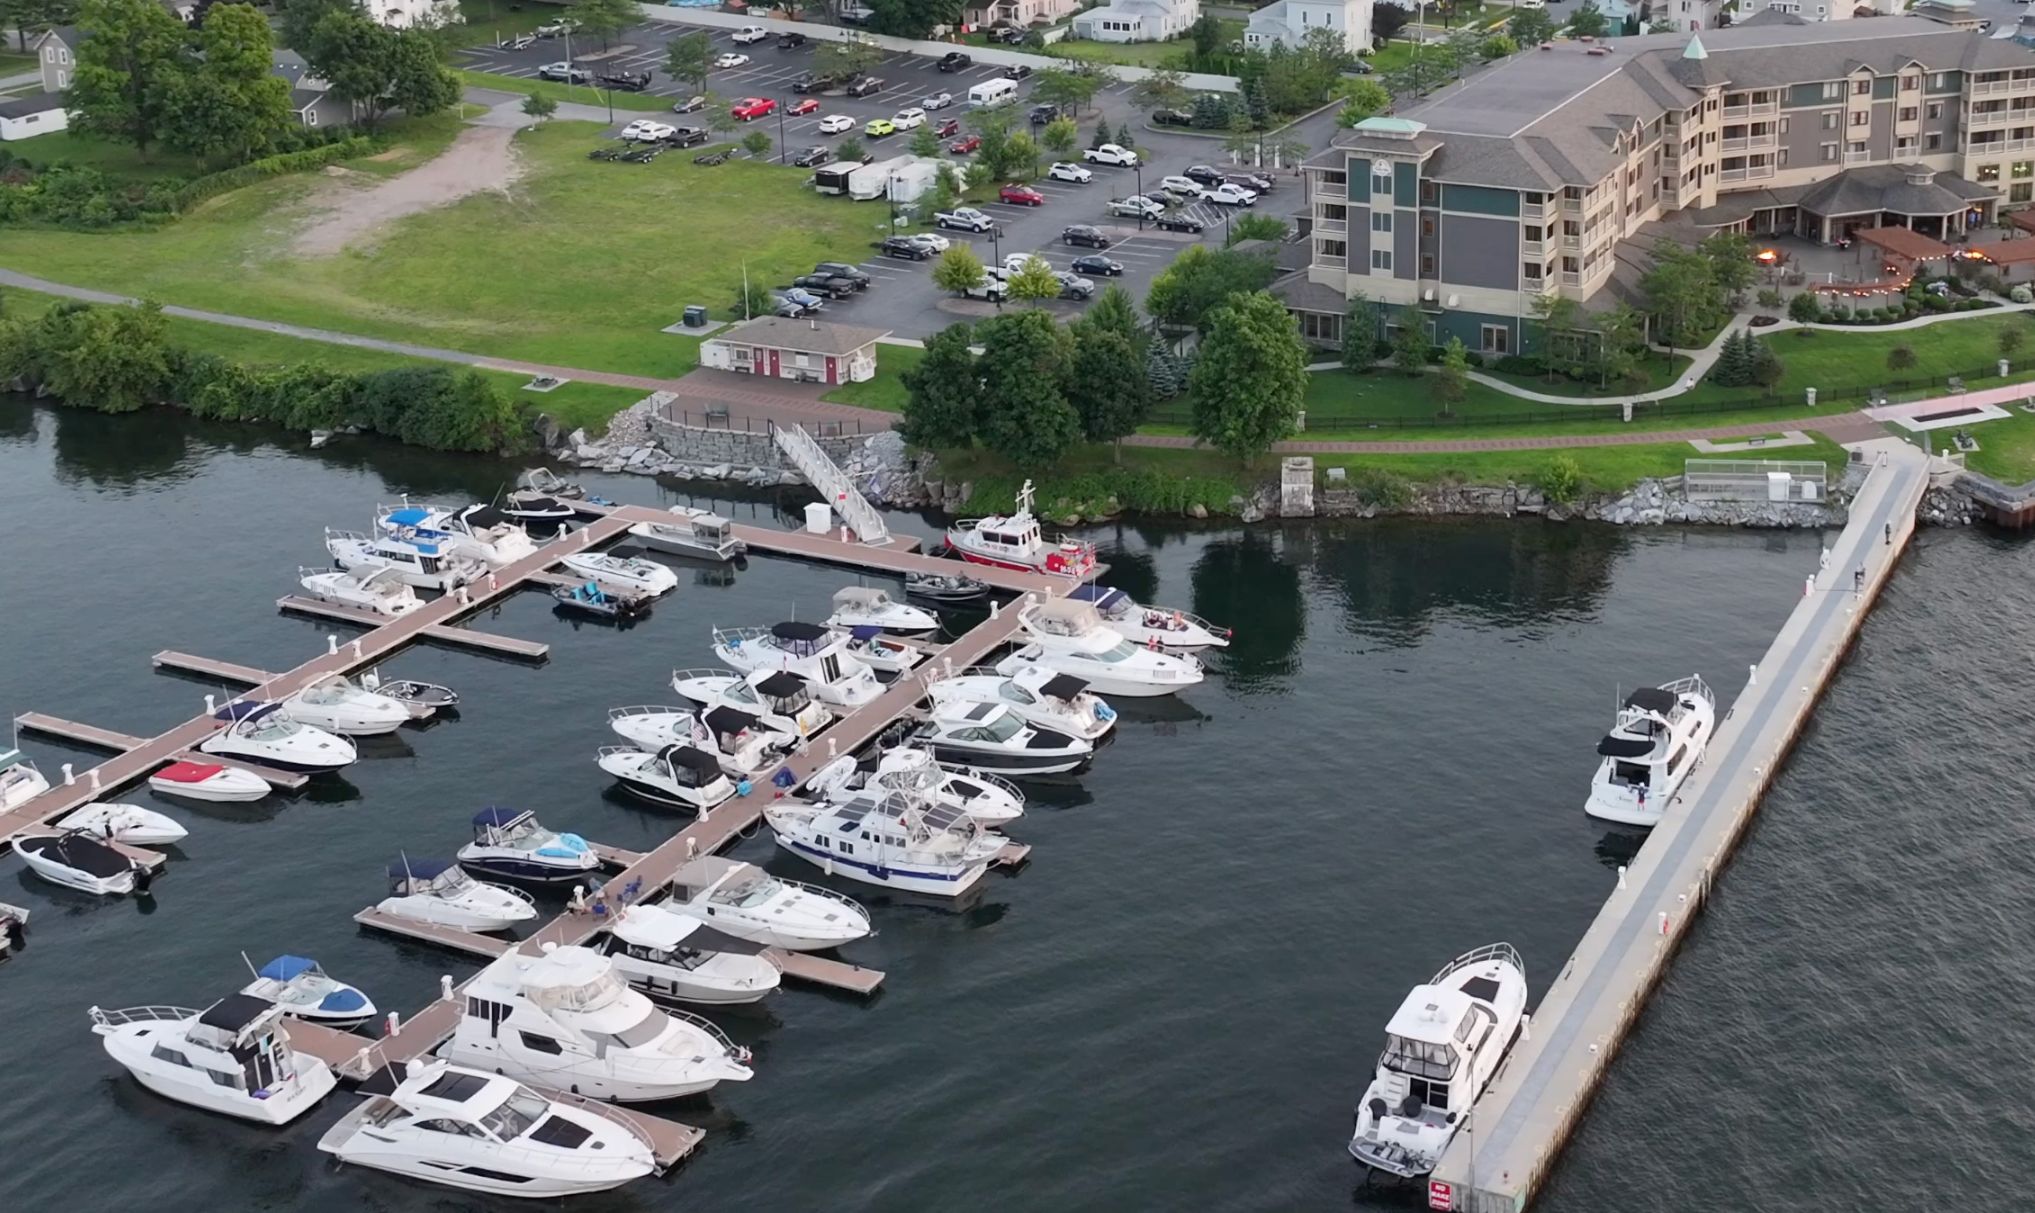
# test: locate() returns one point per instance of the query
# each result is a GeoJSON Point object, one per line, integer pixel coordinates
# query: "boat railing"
{"type": "Point", "coordinates": [712, 1029]}
{"type": "Point", "coordinates": [829, 894]}
{"type": "Point", "coordinates": [636, 1127]}
{"type": "Point", "coordinates": [519, 894]}
{"type": "Point", "coordinates": [736, 637]}
{"type": "Point", "coordinates": [1692, 685]}
{"type": "Point", "coordinates": [1183, 616]}
{"type": "Point", "coordinates": [983, 777]}
{"type": "Point", "coordinates": [148, 1014]}
{"type": "Point", "coordinates": [647, 709]}
{"type": "Point", "coordinates": [349, 536]}
{"type": "Point", "coordinates": [1490, 951]}
{"type": "Point", "coordinates": [705, 671]}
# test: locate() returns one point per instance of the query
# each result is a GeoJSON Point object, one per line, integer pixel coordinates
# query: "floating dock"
{"type": "Point", "coordinates": [225, 671]}
{"type": "Point", "coordinates": [529, 650]}
{"type": "Point", "coordinates": [1518, 1129]}
{"type": "Point", "coordinates": [107, 739]}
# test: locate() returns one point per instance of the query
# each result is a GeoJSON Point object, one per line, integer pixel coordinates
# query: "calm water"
{"type": "Point", "coordinates": [1176, 1004]}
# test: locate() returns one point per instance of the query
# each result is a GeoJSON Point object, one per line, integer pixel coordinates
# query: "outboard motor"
{"type": "Point", "coordinates": [142, 879]}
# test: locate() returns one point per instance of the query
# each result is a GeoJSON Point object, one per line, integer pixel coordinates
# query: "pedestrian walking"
{"type": "Point", "coordinates": [1858, 580]}
{"type": "Point", "coordinates": [1890, 534]}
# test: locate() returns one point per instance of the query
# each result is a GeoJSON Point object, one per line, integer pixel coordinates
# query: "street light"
{"type": "Point", "coordinates": [1139, 169]}
{"type": "Point", "coordinates": [780, 130]}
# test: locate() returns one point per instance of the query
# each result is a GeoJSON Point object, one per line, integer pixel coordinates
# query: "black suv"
{"type": "Point", "coordinates": [1085, 234]}
{"type": "Point", "coordinates": [954, 61]}
{"type": "Point", "coordinates": [686, 136]}
{"type": "Point", "coordinates": [1042, 114]}
{"type": "Point", "coordinates": [627, 82]}
{"type": "Point", "coordinates": [1175, 221]}
{"type": "Point", "coordinates": [806, 82]}
{"type": "Point", "coordinates": [865, 86]}
{"type": "Point", "coordinates": [830, 285]}
{"type": "Point", "coordinates": [1172, 118]}
{"type": "Point", "coordinates": [813, 157]}
{"type": "Point", "coordinates": [789, 39]}
{"type": "Point", "coordinates": [841, 269]}
{"type": "Point", "coordinates": [903, 246]}
{"type": "Point", "coordinates": [1205, 175]}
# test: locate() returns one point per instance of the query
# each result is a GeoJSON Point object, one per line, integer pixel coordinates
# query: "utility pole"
{"type": "Point", "coordinates": [780, 130]}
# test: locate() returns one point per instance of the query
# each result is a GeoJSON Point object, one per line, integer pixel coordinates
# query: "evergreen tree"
{"type": "Point", "coordinates": [1162, 372]}
{"type": "Point", "coordinates": [1410, 343]}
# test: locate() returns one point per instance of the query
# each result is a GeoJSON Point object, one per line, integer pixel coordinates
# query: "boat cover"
{"type": "Point", "coordinates": [245, 709]}
{"type": "Point", "coordinates": [794, 630]}
{"type": "Point", "coordinates": [345, 998]}
{"type": "Point", "coordinates": [80, 851]}
{"type": "Point", "coordinates": [481, 517]}
{"type": "Point", "coordinates": [421, 869]}
{"type": "Point", "coordinates": [781, 685]}
{"type": "Point", "coordinates": [189, 772]}
{"type": "Point", "coordinates": [662, 929]}
{"type": "Point", "coordinates": [1102, 596]}
{"type": "Point", "coordinates": [866, 631]}
{"type": "Point", "coordinates": [1651, 699]}
{"type": "Point", "coordinates": [867, 597]}
{"type": "Point", "coordinates": [409, 516]}
{"type": "Point", "coordinates": [727, 721]}
{"type": "Point", "coordinates": [235, 1011]}
{"type": "Point", "coordinates": [692, 758]}
{"type": "Point", "coordinates": [1614, 746]}
{"type": "Point", "coordinates": [286, 968]}
{"type": "Point", "coordinates": [708, 522]}
{"type": "Point", "coordinates": [1063, 686]}
{"type": "Point", "coordinates": [626, 551]}
{"type": "Point", "coordinates": [499, 817]}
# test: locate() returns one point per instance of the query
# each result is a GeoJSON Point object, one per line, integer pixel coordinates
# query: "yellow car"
{"type": "Point", "coordinates": [877, 128]}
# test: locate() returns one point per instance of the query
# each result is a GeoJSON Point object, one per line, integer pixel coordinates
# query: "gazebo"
{"type": "Point", "coordinates": [1906, 247]}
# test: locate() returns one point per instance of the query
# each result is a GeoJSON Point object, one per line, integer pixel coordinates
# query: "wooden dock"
{"type": "Point", "coordinates": [529, 650]}
{"type": "Point", "coordinates": [225, 671]}
{"type": "Point", "coordinates": [1540, 1093]}
{"type": "Point", "coordinates": [107, 739]}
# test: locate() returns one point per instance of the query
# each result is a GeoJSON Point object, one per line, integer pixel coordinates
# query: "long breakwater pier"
{"type": "Point", "coordinates": [1510, 1140]}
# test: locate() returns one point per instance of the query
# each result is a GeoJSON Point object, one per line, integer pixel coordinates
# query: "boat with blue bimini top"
{"type": "Point", "coordinates": [302, 989]}
{"type": "Point", "coordinates": [481, 532]}
{"type": "Point", "coordinates": [889, 838]}
{"type": "Point", "coordinates": [1156, 627]}
{"type": "Point", "coordinates": [589, 598]}
{"type": "Point", "coordinates": [511, 844]}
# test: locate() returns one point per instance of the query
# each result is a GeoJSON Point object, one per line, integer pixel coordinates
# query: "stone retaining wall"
{"type": "Point", "coordinates": [743, 448]}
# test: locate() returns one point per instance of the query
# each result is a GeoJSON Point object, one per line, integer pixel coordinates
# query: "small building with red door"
{"type": "Point", "coordinates": [810, 351]}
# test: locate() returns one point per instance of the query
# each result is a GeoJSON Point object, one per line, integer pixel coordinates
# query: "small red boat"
{"type": "Point", "coordinates": [1014, 541]}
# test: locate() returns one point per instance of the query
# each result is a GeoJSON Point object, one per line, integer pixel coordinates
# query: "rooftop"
{"type": "Point", "coordinates": [805, 336]}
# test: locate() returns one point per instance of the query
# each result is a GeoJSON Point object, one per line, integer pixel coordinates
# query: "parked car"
{"type": "Point", "coordinates": [830, 285]}
{"type": "Point", "coordinates": [565, 72]}
{"type": "Point", "coordinates": [1204, 174]}
{"type": "Point", "coordinates": [730, 59]}
{"type": "Point", "coordinates": [841, 269]}
{"type": "Point", "coordinates": [1085, 234]}
{"type": "Point", "coordinates": [1008, 35]}
{"type": "Point", "coordinates": [948, 126]}
{"type": "Point", "coordinates": [750, 108]}
{"type": "Point", "coordinates": [787, 306]}
{"type": "Point", "coordinates": [750, 33]}
{"type": "Point", "coordinates": [1229, 193]}
{"type": "Point", "coordinates": [627, 82]}
{"type": "Point", "coordinates": [994, 289]}
{"type": "Point", "coordinates": [903, 246]}
{"type": "Point", "coordinates": [556, 29]}
{"type": "Point", "coordinates": [1137, 206]}
{"type": "Point", "coordinates": [686, 136]}
{"type": "Point", "coordinates": [1018, 193]}
{"type": "Point", "coordinates": [1067, 170]}
{"type": "Point", "coordinates": [1111, 153]}
{"type": "Point", "coordinates": [1172, 118]}
{"type": "Point", "coordinates": [909, 119]}
{"type": "Point", "coordinates": [1178, 221]}
{"type": "Point", "coordinates": [954, 61]}
{"type": "Point", "coordinates": [789, 39]}
{"type": "Point", "coordinates": [857, 14]}
{"type": "Point", "coordinates": [812, 302]}
{"type": "Point", "coordinates": [1015, 263]}
{"type": "Point", "coordinates": [813, 157]}
{"type": "Point", "coordinates": [521, 42]}
{"type": "Point", "coordinates": [1019, 71]}
{"type": "Point", "coordinates": [689, 105]}
{"type": "Point", "coordinates": [1042, 114]}
{"type": "Point", "coordinates": [1180, 187]}
{"type": "Point", "coordinates": [1251, 180]}
{"type": "Point", "coordinates": [865, 86]}
{"type": "Point", "coordinates": [932, 241]}
{"type": "Point", "coordinates": [807, 82]}
{"type": "Point", "coordinates": [648, 130]}
{"type": "Point", "coordinates": [964, 145]}
{"type": "Point", "coordinates": [712, 158]}
{"type": "Point", "coordinates": [877, 128]}
{"type": "Point", "coordinates": [1074, 286]}
{"type": "Point", "coordinates": [938, 101]}
{"type": "Point", "coordinates": [799, 109]}
{"type": "Point", "coordinates": [834, 124]}
{"type": "Point", "coordinates": [1096, 263]}
{"type": "Point", "coordinates": [963, 219]}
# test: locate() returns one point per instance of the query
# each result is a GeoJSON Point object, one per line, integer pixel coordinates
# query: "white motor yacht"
{"type": "Point", "coordinates": [742, 742]}
{"type": "Point", "coordinates": [692, 532]}
{"type": "Point", "coordinates": [683, 776]}
{"type": "Point", "coordinates": [1162, 626]}
{"type": "Point", "coordinates": [1070, 638]}
{"type": "Point", "coordinates": [743, 900]}
{"type": "Point", "coordinates": [261, 733]}
{"type": "Point", "coordinates": [335, 704]}
{"type": "Point", "coordinates": [566, 1018]}
{"type": "Point", "coordinates": [985, 797]}
{"type": "Point", "coordinates": [1657, 739]}
{"type": "Point", "coordinates": [674, 957]}
{"type": "Point", "coordinates": [13, 928]}
{"type": "Point", "coordinates": [419, 562]}
{"type": "Point", "coordinates": [541, 498]}
{"type": "Point", "coordinates": [812, 651]}
{"type": "Point", "coordinates": [128, 823]}
{"type": "Point", "coordinates": [1014, 541]}
{"type": "Point", "coordinates": [1441, 1048]}
{"type": "Point", "coordinates": [435, 891]}
{"type": "Point", "coordinates": [83, 861]}
{"type": "Point", "coordinates": [991, 736]}
{"type": "Point", "coordinates": [861, 605]}
{"type": "Point", "coordinates": [462, 1128]}
{"type": "Point", "coordinates": [480, 532]}
{"type": "Point", "coordinates": [20, 782]}
{"type": "Point", "coordinates": [783, 702]}
{"type": "Point", "coordinates": [370, 587]}
{"type": "Point", "coordinates": [1039, 696]}
{"type": "Point", "coordinates": [892, 839]}
{"type": "Point", "coordinates": [234, 1058]}
{"type": "Point", "coordinates": [622, 569]}
{"type": "Point", "coordinates": [208, 781]}
{"type": "Point", "coordinates": [302, 989]}
{"type": "Point", "coordinates": [510, 844]}
{"type": "Point", "coordinates": [884, 654]}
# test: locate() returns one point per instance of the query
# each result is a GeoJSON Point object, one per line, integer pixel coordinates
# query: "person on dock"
{"type": "Point", "coordinates": [1890, 534]}
{"type": "Point", "coordinates": [1858, 580]}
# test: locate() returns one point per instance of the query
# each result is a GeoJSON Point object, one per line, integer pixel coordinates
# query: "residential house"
{"type": "Point", "coordinates": [56, 58]}
{"type": "Point", "coordinates": [1138, 20]}
{"type": "Point", "coordinates": [409, 14]}
{"type": "Point", "coordinates": [1018, 12]}
{"type": "Point", "coordinates": [1289, 21]}
{"type": "Point", "coordinates": [812, 351]}
{"type": "Point", "coordinates": [27, 117]}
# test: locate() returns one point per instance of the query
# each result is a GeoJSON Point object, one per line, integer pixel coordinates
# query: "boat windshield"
{"type": "Point", "coordinates": [517, 1114]}
{"type": "Point", "coordinates": [1122, 650]}
{"type": "Point", "coordinates": [452, 882]}
{"type": "Point", "coordinates": [639, 1035]}
{"type": "Point", "coordinates": [746, 895]}
{"type": "Point", "coordinates": [271, 728]}
{"type": "Point", "coordinates": [1015, 693]}
{"type": "Point", "coordinates": [1419, 1058]}
{"type": "Point", "coordinates": [326, 693]}
{"type": "Point", "coordinates": [1002, 727]}
{"type": "Point", "coordinates": [587, 996]}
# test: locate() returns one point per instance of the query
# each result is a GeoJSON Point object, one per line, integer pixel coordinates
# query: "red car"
{"type": "Point", "coordinates": [949, 126]}
{"type": "Point", "coordinates": [1022, 195]}
{"type": "Point", "coordinates": [809, 106]}
{"type": "Point", "coordinates": [753, 107]}
{"type": "Point", "coordinates": [962, 147]}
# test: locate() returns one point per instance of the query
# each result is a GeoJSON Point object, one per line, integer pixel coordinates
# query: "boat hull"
{"type": "Point", "coordinates": [1011, 762]}
{"type": "Point", "coordinates": [619, 1088]}
{"type": "Point", "coordinates": [226, 786]}
{"type": "Point", "coordinates": [541, 1187]}
{"type": "Point", "coordinates": [906, 878]}
{"type": "Point", "coordinates": [473, 918]}
{"type": "Point", "coordinates": [301, 764]}
{"type": "Point", "coordinates": [131, 1045]}
{"type": "Point", "coordinates": [526, 871]}
{"type": "Point", "coordinates": [133, 825]}
{"type": "Point", "coordinates": [118, 885]}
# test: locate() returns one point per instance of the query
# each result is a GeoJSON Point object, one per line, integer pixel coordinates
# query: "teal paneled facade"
{"type": "Point", "coordinates": [1480, 200]}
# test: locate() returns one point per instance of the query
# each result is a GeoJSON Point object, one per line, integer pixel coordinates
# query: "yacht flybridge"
{"type": "Point", "coordinates": [742, 742]}
{"type": "Point", "coordinates": [674, 957]}
{"type": "Point", "coordinates": [894, 839]}
{"type": "Point", "coordinates": [985, 797]}
{"type": "Point", "coordinates": [1013, 541]}
{"type": "Point", "coordinates": [1162, 626]}
{"type": "Point", "coordinates": [20, 782]}
{"type": "Point", "coordinates": [370, 587]}
{"type": "Point", "coordinates": [566, 1018]}
{"type": "Point", "coordinates": [860, 605]}
{"type": "Point", "coordinates": [691, 532]}
{"type": "Point", "coordinates": [302, 989]}
{"type": "Point", "coordinates": [418, 561]}
{"type": "Point", "coordinates": [510, 844]}
{"type": "Point", "coordinates": [1657, 739]}
{"type": "Point", "coordinates": [1441, 1048]}
{"type": "Point", "coordinates": [1060, 702]}
{"type": "Point", "coordinates": [234, 1057]}
{"type": "Point", "coordinates": [262, 733]}
{"type": "Point", "coordinates": [812, 651]}
{"type": "Point", "coordinates": [743, 900]}
{"type": "Point", "coordinates": [480, 532]}
{"type": "Point", "coordinates": [1070, 638]}
{"type": "Point", "coordinates": [782, 701]}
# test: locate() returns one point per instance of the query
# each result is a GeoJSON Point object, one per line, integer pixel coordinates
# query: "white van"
{"type": "Point", "coordinates": [991, 93]}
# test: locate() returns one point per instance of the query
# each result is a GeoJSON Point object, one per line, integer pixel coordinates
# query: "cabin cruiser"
{"type": "Point", "coordinates": [208, 781]}
{"type": "Point", "coordinates": [335, 704]}
{"type": "Point", "coordinates": [674, 957]}
{"type": "Point", "coordinates": [234, 1058]}
{"type": "Point", "coordinates": [479, 532]}
{"type": "Point", "coordinates": [893, 839]}
{"type": "Point", "coordinates": [1039, 696]}
{"type": "Point", "coordinates": [77, 859]}
{"type": "Point", "coordinates": [1161, 626]}
{"type": "Point", "coordinates": [693, 532]}
{"type": "Point", "coordinates": [814, 652]}
{"type": "Point", "coordinates": [463, 1128]}
{"type": "Point", "coordinates": [20, 782]}
{"type": "Point", "coordinates": [1013, 541]}
{"type": "Point", "coordinates": [261, 733]}
{"type": "Point", "coordinates": [511, 845]}
{"type": "Point", "coordinates": [780, 701]}
{"type": "Point", "coordinates": [1657, 739]}
{"type": "Point", "coordinates": [541, 498]}
{"type": "Point", "coordinates": [128, 823]}
{"type": "Point", "coordinates": [13, 928]}
{"type": "Point", "coordinates": [743, 900]}
{"type": "Point", "coordinates": [419, 562]}
{"type": "Point", "coordinates": [567, 1019]}
{"type": "Point", "coordinates": [302, 989]}
{"type": "Point", "coordinates": [1070, 638]}
{"type": "Point", "coordinates": [590, 599]}
{"type": "Point", "coordinates": [991, 736]}
{"type": "Point", "coordinates": [860, 605]}
{"type": "Point", "coordinates": [742, 742]}
{"type": "Point", "coordinates": [424, 698]}
{"type": "Point", "coordinates": [884, 654]}
{"type": "Point", "coordinates": [435, 891]}
{"type": "Point", "coordinates": [683, 776]}
{"type": "Point", "coordinates": [370, 587]}
{"type": "Point", "coordinates": [623, 570]}
{"type": "Point", "coordinates": [985, 797]}
{"type": "Point", "coordinates": [1441, 1048]}
{"type": "Point", "coordinates": [944, 587]}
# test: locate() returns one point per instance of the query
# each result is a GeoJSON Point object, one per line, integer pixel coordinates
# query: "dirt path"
{"type": "Point", "coordinates": [480, 159]}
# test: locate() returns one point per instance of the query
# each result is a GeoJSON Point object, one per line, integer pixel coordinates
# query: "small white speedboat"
{"type": "Point", "coordinates": [462, 1128]}
{"type": "Point", "coordinates": [480, 532]}
{"type": "Point", "coordinates": [208, 781]}
{"type": "Point", "coordinates": [435, 891]}
{"type": "Point", "coordinates": [860, 605]}
{"type": "Point", "coordinates": [302, 989]}
{"type": "Point", "coordinates": [510, 844]}
{"type": "Point", "coordinates": [991, 736]}
{"type": "Point", "coordinates": [128, 823]}
{"type": "Point", "coordinates": [423, 698]}
{"type": "Point", "coordinates": [985, 797]}
{"type": "Point", "coordinates": [812, 651]}
{"type": "Point", "coordinates": [1162, 627]}
{"type": "Point", "coordinates": [680, 775]}
{"type": "Point", "coordinates": [1659, 735]}
{"type": "Point", "coordinates": [20, 782]}
{"type": "Point", "coordinates": [1070, 638]}
{"type": "Point", "coordinates": [622, 569]}
{"type": "Point", "coordinates": [743, 743]}
{"type": "Point", "coordinates": [892, 839]}
{"type": "Point", "coordinates": [335, 704]}
{"type": "Point", "coordinates": [692, 532]}
{"type": "Point", "coordinates": [674, 957]}
{"type": "Point", "coordinates": [743, 900]}
{"type": "Point", "coordinates": [234, 1058]}
{"type": "Point", "coordinates": [419, 562]}
{"type": "Point", "coordinates": [78, 860]}
{"type": "Point", "coordinates": [261, 733]}
{"type": "Point", "coordinates": [1060, 702]}
{"type": "Point", "coordinates": [782, 701]}
{"type": "Point", "coordinates": [884, 654]}
{"type": "Point", "coordinates": [370, 587]}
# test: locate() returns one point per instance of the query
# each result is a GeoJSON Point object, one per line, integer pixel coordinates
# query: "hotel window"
{"type": "Point", "coordinates": [1830, 121]}
{"type": "Point", "coordinates": [2022, 169]}
{"type": "Point", "coordinates": [1570, 265]}
{"type": "Point", "coordinates": [1430, 193]}
{"type": "Point", "coordinates": [1904, 144]}
{"type": "Point", "coordinates": [1784, 124]}
{"type": "Point", "coordinates": [1427, 265]}
{"type": "Point", "coordinates": [1381, 259]}
{"type": "Point", "coordinates": [1932, 142]}
{"type": "Point", "coordinates": [1381, 221]}
{"type": "Point", "coordinates": [1833, 91]}
{"type": "Point", "coordinates": [1933, 110]}
{"type": "Point", "coordinates": [1783, 161]}
{"type": "Point", "coordinates": [1910, 83]}
{"type": "Point", "coordinates": [1531, 270]}
{"type": "Point", "coordinates": [1861, 88]}
{"type": "Point", "coordinates": [1829, 152]}
{"type": "Point", "coordinates": [1939, 80]}
{"type": "Point", "coordinates": [1496, 338]}
{"type": "Point", "coordinates": [1907, 113]}
{"type": "Point", "coordinates": [1855, 148]}
{"type": "Point", "coordinates": [1861, 118]}
{"type": "Point", "coordinates": [2021, 193]}
{"type": "Point", "coordinates": [1988, 173]}
{"type": "Point", "coordinates": [1533, 233]}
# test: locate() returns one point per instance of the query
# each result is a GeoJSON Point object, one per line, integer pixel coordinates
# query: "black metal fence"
{"type": "Point", "coordinates": [711, 418]}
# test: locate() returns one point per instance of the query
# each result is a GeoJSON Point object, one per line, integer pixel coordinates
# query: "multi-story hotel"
{"type": "Point", "coordinates": [1532, 175]}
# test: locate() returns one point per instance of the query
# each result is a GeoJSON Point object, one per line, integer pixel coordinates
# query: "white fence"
{"type": "Point", "coordinates": [1754, 480]}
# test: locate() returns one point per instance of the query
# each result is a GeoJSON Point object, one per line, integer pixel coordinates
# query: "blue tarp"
{"type": "Point", "coordinates": [283, 968]}
{"type": "Point", "coordinates": [345, 998]}
{"type": "Point", "coordinates": [496, 816]}
{"type": "Point", "coordinates": [409, 516]}
{"type": "Point", "coordinates": [246, 709]}
{"type": "Point", "coordinates": [865, 631]}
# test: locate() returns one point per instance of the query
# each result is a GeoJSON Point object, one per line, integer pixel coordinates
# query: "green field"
{"type": "Point", "coordinates": [1846, 364]}
{"type": "Point", "coordinates": [886, 391]}
{"type": "Point", "coordinates": [114, 159]}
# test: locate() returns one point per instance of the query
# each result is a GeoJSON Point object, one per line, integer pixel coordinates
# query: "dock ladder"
{"type": "Point", "coordinates": [823, 474]}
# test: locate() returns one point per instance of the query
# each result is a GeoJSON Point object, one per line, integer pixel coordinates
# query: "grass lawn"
{"type": "Point", "coordinates": [2006, 447]}
{"type": "Point", "coordinates": [1658, 370]}
{"type": "Point", "coordinates": [114, 159]}
{"type": "Point", "coordinates": [488, 21]}
{"type": "Point", "coordinates": [1605, 468]}
{"type": "Point", "coordinates": [1845, 365]}
{"type": "Point", "coordinates": [584, 94]}
{"type": "Point", "coordinates": [886, 391]}
{"type": "Point", "coordinates": [581, 266]}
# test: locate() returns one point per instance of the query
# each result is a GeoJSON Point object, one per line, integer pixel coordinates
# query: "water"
{"type": "Point", "coordinates": [1176, 1004]}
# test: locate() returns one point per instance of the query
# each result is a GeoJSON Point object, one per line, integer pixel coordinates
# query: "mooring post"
{"type": "Point", "coordinates": [210, 706]}
{"type": "Point", "coordinates": [692, 848]}
{"type": "Point", "coordinates": [392, 1024]}
{"type": "Point", "coordinates": [1752, 674]}
{"type": "Point", "coordinates": [331, 645]}
{"type": "Point", "coordinates": [1808, 586]}
{"type": "Point", "coordinates": [994, 607]}
{"type": "Point", "coordinates": [1621, 875]}
{"type": "Point", "coordinates": [703, 816]}
{"type": "Point", "coordinates": [94, 773]}
{"type": "Point", "coordinates": [1526, 1026]}
{"type": "Point", "coordinates": [357, 654]}
{"type": "Point", "coordinates": [833, 746]}
{"type": "Point", "coordinates": [445, 986]}
{"type": "Point", "coordinates": [69, 777]}
{"type": "Point", "coordinates": [1664, 922]}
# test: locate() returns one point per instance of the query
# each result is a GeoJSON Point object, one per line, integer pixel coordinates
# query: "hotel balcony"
{"type": "Point", "coordinates": [1333, 263]}
{"type": "Point", "coordinates": [1331, 226]}
{"type": "Point", "coordinates": [1532, 248]}
{"type": "Point", "coordinates": [1736, 112]}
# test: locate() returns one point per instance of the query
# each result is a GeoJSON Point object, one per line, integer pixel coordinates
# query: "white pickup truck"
{"type": "Point", "coordinates": [1136, 206]}
{"type": "Point", "coordinates": [963, 219]}
{"type": "Point", "coordinates": [750, 33]}
{"type": "Point", "coordinates": [1111, 153]}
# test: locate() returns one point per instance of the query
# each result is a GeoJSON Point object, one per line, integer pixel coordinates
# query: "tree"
{"type": "Point", "coordinates": [1681, 295]}
{"type": "Point", "coordinates": [1124, 134]}
{"type": "Point", "coordinates": [924, 142]}
{"type": "Point", "coordinates": [1034, 281]}
{"type": "Point", "coordinates": [1255, 227]}
{"type": "Point", "coordinates": [1201, 280]}
{"type": "Point", "coordinates": [2008, 341]}
{"type": "Point", "coordinates": [1111, 392]}
{"type": "Point", "coordinates": [946, 191]}
{"type": "Point", "coordinates": [1425, 68]}
{"type": "Point", "coordinates": [115, 359]}
{"type": "Point", "coordinates": [958, 270]}
{"type": "Point", "coordinates": [1257, 106]}
{"type": "Point", "coordinates": [604, 19]}
{"type": "Point", "coordinates": [1113, 311]}
{"type": "Point", "coordinates": [851, 149]}
{"type": "Point", "coordinates": [689, 59]}
{"type": "Point", "coordinates": [1734, 365]}
{"type": "Point", "coordinates": [1387, 20]}
{"type": "Point", "coordinates": [1531, 26]}
{"type": "Point", "coordinates": [539, 106]}
{"type": "Point", "coordinates": [1019, 158]}
{"type": "Point", "coordinates": [1206, 33]}
{"type": "Point", "coordinates": [1557, 317]}
{"type": "Point", "coordinates": [912, 18]}
{"type": "Point", "coordinates": [1410, 344]}
{"type": "Point", "coordinates": [1768, 298]}
{"type": "Point", "coordinates": [1621, 343]}
{"type": "Point", "coordinates": [420, 84]}
{"type": "Point", "coordinates": [942, 391]}
{"type": "Point", "coordinates": [1250, 378]}
{"type": "Point", "coordinates": [1069, 90]}
{"type": "Point", "coordinates": [1805, 308]}
{"type": "Point", "coordinates": [301, 17]}
{"type": "Point", "coordinates": [1363, 98]}
{"type": "Point", "coordinates": [1660, 25]}
{"type": "Point", "coordinates": [1061, 136]}
{"type": "Point", "coordinates": [1163, 89]}
{"type": "Point", "coordinates": [721, 119]}
{"type": "Point", "coordinates": [1023, 414]}
{"type": "Point", "coordinates": [1901, 358]}
{"type": "Point", "coordinates": [1450, 384]}
{"type": "Point", "coordinates": [32, 17]}
{"type": "Point", "coordinates": [227, 105]}
{"type": "Point", "coordinates": [1732, 268]}
{"type": "Point", "coordinates": [128, 72]}
{"type": "Point", "coordinates": [1588, 21]}
{"type": "Point", "coordinates": [1163, 372]}
{"type": "Point", "coordinates": [1101, 135]}
{"type": "Point", "coordinates": [357, 56]}
{"type": "Point", "coordinates": [751, 300]}
{"type": "Point", "coordinates": [1767, 368]}
{"type": "Point", "coordinates": [1360, 334]}
{"type": "Point", "coordinates": [1497, 46]}
{"type": "Point", "coordinates": [757, 144]}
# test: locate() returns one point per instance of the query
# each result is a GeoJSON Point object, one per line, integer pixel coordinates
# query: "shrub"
{"type": "Point", "coordinates": [1519, 364]}
{"type": "Point", "coordinates": [1769, 298]}
{"type": "Point", "coordinates": [1380, 488]}
{"type": "Point", "coordinates": [1561, 478]}
{"type": "Point", "coordinates": [1805, 308]}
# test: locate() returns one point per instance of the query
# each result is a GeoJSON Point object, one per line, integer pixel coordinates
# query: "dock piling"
{"type": "Point", "coordinates": [1621, 875]}
{"type": "Point", "coordinates": [95, 778]}
{"type": "Point", "coordinates": [70, 776]}
{"type": "Point", "coordinates": [211, 705]}
{"type": "Point", "coordinates": [331, 644]}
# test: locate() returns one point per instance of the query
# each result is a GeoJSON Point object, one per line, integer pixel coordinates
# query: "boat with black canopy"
{"type": "Point", "coordinates": [743, 743]}
{"type": "Point", "coordinates": [541, 498]}
{"type": "Point", "coordinates": [234, 1057]}
{"type": "Point", "coordinates": [622, 570]}
{"type": "Point", "coordinates": [1655, 741]}
{"type": "Point", "coordinates": [674, 957]}
{"type": "Point", "coordinates": [262, 733]}
{"type": "Point", "coordinates": [812, 651]}
{"type": "Point", "coordinates": [991, 736]}
{"type": "Point", "coordinates": [82, 860]}
{"type": "Point", "coordinates": [1038, 695]}
{"type": "Point", "coordinates": [783, 702]}
{"type": "Point", "coordinates": [681, 775]}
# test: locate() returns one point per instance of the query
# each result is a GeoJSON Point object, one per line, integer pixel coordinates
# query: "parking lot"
{"type": "Point", "coordinates": [904, 299]}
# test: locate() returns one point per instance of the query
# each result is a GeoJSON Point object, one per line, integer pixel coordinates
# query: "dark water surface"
{"type": "Point", "coordinates": [1176, 1004]}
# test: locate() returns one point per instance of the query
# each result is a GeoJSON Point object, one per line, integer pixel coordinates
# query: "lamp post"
{"type": "Point", "coordinates": [780, 130]}
{"type": "Point", "coordinates": [1139, 169]}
